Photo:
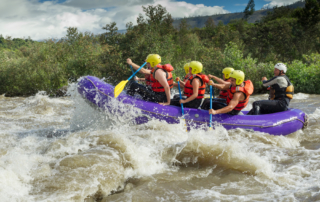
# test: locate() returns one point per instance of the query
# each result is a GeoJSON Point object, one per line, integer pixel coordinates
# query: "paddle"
{"type": "Point", "coordinates": [119, 88]}
{"type": "Point", "coordinates": [131, 68]}
{"type": "Point", "coordinates": [211, 94]}
{"type": "Point", "coordinates": [181, 99]}
{"type": "Point", "coordinates": [132, 72]}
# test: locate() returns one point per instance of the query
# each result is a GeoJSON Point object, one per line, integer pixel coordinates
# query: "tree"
{"type": "Point", "coordinates": [209, 24]}
{"type": "Point", "coordinates": [155, 13]}
{"type": "Point", "coordinates": [72, 34]}
{"type": "Point", "coordinates": [159, 18]}
{"type": "Point", "coordinates": [309, 15]}
{"type": "Point", "coordinates": [249, 10]}
{"type": "Point", "coordinates": [112, 35]}
{"type": "Point", "coordinates": [277, 13]}
{"type": "Point", "coordinates": [183, 27]}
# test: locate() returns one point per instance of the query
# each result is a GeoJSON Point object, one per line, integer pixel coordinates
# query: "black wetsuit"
{"type": "Point", "coordinates": [217, 103]}
{"type": "Point", "coordinates": [192, 104]}
{"type": "Point", "coordinates": [280, 101]}
{"type": "Point", "coordinates": [146, 93]}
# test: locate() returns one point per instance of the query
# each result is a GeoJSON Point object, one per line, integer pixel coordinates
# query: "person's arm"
{"type": "Point", "coordinates": [182, 83]}
{"type": "Point", "coordinates": [269, 82]}
{"type": "Point", "coordinates": [161, 77]}
{"type": "Point", "coordinates": [220, 81]}
{"type": "Point", "coordinates": [233, 103]}
{"type": "Point", "coordinates": [175, 84]}
{"type": "Point", "coordinates": [195, 86]}
{"type": "Point", "coordinates": [220, 86]}
{"type": "Point", "coordinates": [136, 67]}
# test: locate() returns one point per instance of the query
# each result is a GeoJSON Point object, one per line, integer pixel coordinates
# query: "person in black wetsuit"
{"type": "Point", "coordinates": [281, 92]}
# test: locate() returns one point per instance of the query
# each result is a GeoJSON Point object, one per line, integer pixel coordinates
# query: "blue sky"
{"type": "Point", "coordinates": [42, 19]}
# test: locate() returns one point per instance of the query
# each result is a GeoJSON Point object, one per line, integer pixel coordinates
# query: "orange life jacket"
{"type": "Point", "coordinates": [247, 90]}
{"type": "Point", "coordinates": [155, 84]}
{"type": "Point", "coordinates": [147, 79]}
{"type": "Point", "coordinates": [188, 88]}
{"type": "Point", "coordinates": [186, 77]}
{"type": "Point", "coordinates": [224, 93]}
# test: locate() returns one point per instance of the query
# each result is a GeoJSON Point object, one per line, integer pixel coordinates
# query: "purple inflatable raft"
{"type": "Point", "coordinates": [100, 93]}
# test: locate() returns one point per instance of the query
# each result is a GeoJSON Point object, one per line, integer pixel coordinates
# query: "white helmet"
{"type": "Point", "coordinates": [281, 66]}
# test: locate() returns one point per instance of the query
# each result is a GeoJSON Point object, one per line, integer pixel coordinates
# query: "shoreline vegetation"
{"type": "Point", "coordinates": [291, 36]}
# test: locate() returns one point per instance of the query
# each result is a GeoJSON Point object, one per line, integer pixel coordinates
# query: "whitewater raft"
{"type": "Point", "coordinates": [100, 94]}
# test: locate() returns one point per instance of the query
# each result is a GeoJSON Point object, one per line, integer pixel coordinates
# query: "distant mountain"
{"type": "Point", "coordinates": [225, 18]}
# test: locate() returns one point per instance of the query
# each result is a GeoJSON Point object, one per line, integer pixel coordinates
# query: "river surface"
{"type": "Point", "coordinates": [63, 149]}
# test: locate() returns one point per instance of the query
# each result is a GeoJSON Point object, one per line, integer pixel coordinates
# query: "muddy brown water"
{"type": "Point", "coordinates": [62, 149]}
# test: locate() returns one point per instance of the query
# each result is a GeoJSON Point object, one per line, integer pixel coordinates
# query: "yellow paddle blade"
{"type": "Point", "coordinates": [119, 88]}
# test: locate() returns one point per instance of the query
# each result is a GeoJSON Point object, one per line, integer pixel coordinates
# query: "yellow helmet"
{"type": "Point", "coordinates": [226, 71]}
{"type": "Point", "coordinates": [238, 75]}
{"type": "Point", "coordinates": [196, 67]}
{"type": "Point", "coordinates": [148, 56]}
{"type": "Point", "coordinates": [186, 68]}
{"type": "Point", "coordinates": [153, 59]}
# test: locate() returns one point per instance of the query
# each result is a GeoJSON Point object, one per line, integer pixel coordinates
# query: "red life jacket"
{"type": "Point", "coordinates": [155, 84]}
{"type": "Point", "coordinates": [224, 93]}
{"type": "Point", "coordinates": [186, 78]}
{"type": "Point", "coordinates": [247, 90]}
{"type": "Point", "coordinates": [188, 88]}
{"type": "Point", "coordinates": [148, 79]}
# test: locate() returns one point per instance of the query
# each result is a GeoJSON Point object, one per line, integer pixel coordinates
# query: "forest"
{"type": "Point", "coordinates": [290, 36]}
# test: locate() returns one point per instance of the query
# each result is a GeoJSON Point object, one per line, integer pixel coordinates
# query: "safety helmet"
{"type": "Point", "coordinates": [238, 75]}
{"type": "Point", "coordinates": [226, 71]}
{"type": "Point", "coordinates": [281, 66]}
{"type": "Point", "coordinates": [186, 68]}
{"type": "Point", "coordinates": [153, 59]}
{"type": "Point", "coordinates": [196, 67]}
{"type": "Point", "coordinates": [148, 56]}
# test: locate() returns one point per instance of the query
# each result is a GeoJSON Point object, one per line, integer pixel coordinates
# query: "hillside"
{"type": "Point", "coordinates": [226, 18]}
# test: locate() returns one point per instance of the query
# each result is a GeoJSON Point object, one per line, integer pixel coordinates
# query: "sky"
{"type": "Point", "coordinates": [46, 19]}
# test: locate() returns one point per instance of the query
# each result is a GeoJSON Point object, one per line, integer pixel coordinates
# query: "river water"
{"type": "Point", "coordinates": [62, 149]}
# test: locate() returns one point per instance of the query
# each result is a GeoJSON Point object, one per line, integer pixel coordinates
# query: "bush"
{"type": "Point", "coordinates": [49, 65]}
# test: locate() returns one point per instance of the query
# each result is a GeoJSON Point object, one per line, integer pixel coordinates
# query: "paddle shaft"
{"type": "Point", "coordinates": [180, 98]}
{"type": "Point", "coordinates": [137, 71]}
{"type": "Point", "coordinates": [131, 68]}
{"type": "Point", "coordinates": [210, 124]}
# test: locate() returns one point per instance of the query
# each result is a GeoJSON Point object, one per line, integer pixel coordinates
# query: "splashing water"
{"type": "Point", "coordinates": [64, 149]}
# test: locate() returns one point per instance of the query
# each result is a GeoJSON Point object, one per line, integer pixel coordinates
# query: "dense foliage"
{"type": "Point", "coordinates": [284, 35]}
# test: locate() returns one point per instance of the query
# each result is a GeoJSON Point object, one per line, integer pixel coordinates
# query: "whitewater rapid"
{"type": "Point", "coordinates": [63, 149]}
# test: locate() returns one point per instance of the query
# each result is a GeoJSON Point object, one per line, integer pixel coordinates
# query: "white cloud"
{"type": "Point", "coordinates": [85, 4]}
{"type": "Point", "coordinates": [274, 3]}
{"type": "Point", "coordinates": [23, 18]}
